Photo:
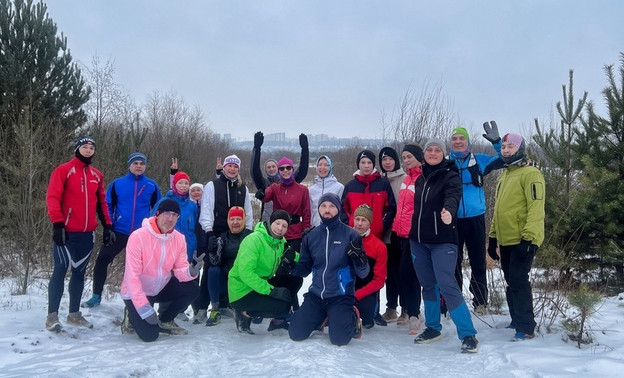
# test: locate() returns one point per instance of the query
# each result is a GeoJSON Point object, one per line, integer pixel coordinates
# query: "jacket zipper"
{"type": "Point", "coordinates": [326, 260]}
{"type": "Point", "coordinates": [84, 189]}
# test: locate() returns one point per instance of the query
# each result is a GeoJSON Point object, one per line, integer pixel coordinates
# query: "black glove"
{"type": "Point", "coordinates": [525, 246]}
{"type": "Point", "coordinates": [303, 141]}
{"type": "Point", "coordinates": [152, 319]}
{"type": "Point", "coordinates": [491, 250]}
{"type": "Point", "coordinates": [287, 263]}
{"type": "Point", "coordinates": [357, 254]}
{"type": "Point", "coordinates": [58, 233]}
{"type": "Point", "coordinates": [215, 251]}
{"type": "Point", "coordinates": [281, 294]}
{"type": "Point", "coordinates": [197, 263]}
{"type": "Point", "coordinates": [491, 132]}
{"type": "Point", "coordinates": [109, 237]}
{"type": "Point", "coordinates": [258, 139]}
{"type": "Point", "coordinates": [260, 194]}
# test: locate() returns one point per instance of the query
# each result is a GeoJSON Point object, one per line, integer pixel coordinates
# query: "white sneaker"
{"type": "Point", "coordinates": [415, 324]}
{"type": "Point", "coordinates": [200, 317]}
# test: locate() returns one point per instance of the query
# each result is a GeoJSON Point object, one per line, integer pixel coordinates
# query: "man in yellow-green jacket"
{"type": "Point", "coordinates": [518, 228]}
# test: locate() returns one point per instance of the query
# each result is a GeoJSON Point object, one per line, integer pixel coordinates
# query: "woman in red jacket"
{"type": "Point", "coordinates": [294, 198]}
{"type": "Point", "coordinates": [75, 194]}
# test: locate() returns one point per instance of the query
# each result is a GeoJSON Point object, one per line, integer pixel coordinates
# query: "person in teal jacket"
{"type": "Point", "coordinates": [250, 288]}
{"type": "Point", "coordinates": [471, 211]}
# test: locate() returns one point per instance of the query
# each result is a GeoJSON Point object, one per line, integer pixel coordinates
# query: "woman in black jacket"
{"type": "Point", "coordinates": [433, 241]}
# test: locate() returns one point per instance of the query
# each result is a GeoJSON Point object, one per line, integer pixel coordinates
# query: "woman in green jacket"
{"type": "Point", "coordinates": [250, 288]}
{"type": "Point", "coordinates": [518, 228]}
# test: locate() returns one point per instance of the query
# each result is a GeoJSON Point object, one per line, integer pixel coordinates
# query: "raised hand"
{"type": "Point", "coordinates": [491, 132]}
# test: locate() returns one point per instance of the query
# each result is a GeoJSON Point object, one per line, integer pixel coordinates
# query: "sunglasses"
{"type": "Point", "coordinates": [285, 168]}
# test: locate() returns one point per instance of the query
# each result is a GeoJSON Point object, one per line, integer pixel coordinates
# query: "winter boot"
{"type": "Point", "coordinates": [214, 318]}
{"type": "Point", "coordinates": [126, 327]}
{"type": "Point", "coordinates": [243, 322]}
{"type": "Point", "coordinates": [323, 325]}
{"type": "Point", "coordinates": [200, 317]}
{"type": "Point", "coordinates": [77, 319]}
{"type": "Point", "coordinates": [357, 332]}
{"type": "Point", "coordinates": [521, 336]}
{"type": "Point", "coordinates": [428, 336]}
{"type": "Point", "coordinates": [470, 344]}
{"type": "Point", "coordinates": [172, 328]}
{"type": "Point", "coordinates": [277, 324]}
{"type": "Point", "coordinates": [93, 302]}
{"type": "Point", "coordinates": [379, 320]}
{"type": "Point", "coordinates": [403, 319]}
{"type": "Point", "coordinates": [52, 322]}
{"type": "Point", "coordinates": [415, 324]}
{"type": "Point", "coordinates": [390, 316]}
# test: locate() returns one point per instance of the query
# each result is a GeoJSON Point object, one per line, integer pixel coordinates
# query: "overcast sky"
{"type": "Point", "coordinates": [320, 66]}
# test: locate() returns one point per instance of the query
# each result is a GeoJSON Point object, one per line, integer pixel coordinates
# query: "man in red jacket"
{"type": "Point", "coordinates": [367, 289]}
{"type": "Point", "coordinates": [75, 195]}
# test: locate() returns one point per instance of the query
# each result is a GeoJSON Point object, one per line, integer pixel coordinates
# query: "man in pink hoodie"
{"type": "Point", "coordinates": [153, 252]}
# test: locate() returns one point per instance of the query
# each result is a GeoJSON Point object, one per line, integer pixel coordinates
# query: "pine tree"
{"type": "Point", "coordinates": [41, 95]}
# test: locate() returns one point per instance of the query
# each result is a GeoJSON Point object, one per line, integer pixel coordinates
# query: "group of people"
{"type": "Point", "coordinates": [404, 228]}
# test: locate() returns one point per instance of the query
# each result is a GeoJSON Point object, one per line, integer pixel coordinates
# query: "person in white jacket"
{"type": "Point", "coordinates": [324, 182]}
{"type": "Point", "coordinates": [157, 270]}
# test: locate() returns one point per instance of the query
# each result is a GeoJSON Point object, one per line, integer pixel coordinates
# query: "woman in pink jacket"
{"type": "Point", "coordinates": [402, 282]}
{"type": "Point", "coordinates": [153, 252]}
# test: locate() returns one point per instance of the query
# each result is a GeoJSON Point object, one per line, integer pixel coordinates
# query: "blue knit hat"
{"type": "Point", "coordinates": [136, 156]}
{"type": "Point", "coordinates": [331, 197]}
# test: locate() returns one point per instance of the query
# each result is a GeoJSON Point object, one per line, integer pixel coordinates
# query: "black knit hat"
{"type": "Point", "coordinates": [389, 151]}
{"type": "Point", "coordinates": [168, 204]}
{"type": "Point", "coordinates": [365, 154]}
{"type": "Point", "coordinates": [279, 214]}
{"type": "Point", "coordinates": [331, 197]}
{"type": "Point", "coordinates": [415, 150]}
{"type": "Point", "coordinates": [84, 139]}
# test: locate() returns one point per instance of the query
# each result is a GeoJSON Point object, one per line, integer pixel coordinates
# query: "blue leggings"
{"type": "Point", "coordinates": [75, 253]}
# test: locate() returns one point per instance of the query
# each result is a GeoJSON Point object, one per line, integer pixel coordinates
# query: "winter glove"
{"type": "Point", "coordinates": [197, 263]}
{"type": "Point", "coordinates": [303, 141]}
{"type": "Point", "coordinates": [287, 263]}
{"type": "Point", "coordinates": [525, 246]}
{"type": "Point", "coordinates": [58, 233]}
{"type": "Point", "coordinates": [215, 251]}
{"type": "Point", "coordinates": [152, 319]}
{"type": "Point", "coordinates": [260, 194]}
{"type": "Point", "coordinates": [492, 244]}
{"type": "Point", "coordinates": [258, 139]}
{"type": "Point", "coordinates": [491, 132]}
{"type": "Point", "coordinates": [357, 254]}
{"type": "Point", "coordinates": [109, 237]}
{"type": "Point", "coordinates": [281, 294]}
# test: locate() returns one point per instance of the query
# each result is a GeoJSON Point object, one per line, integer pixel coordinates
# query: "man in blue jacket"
{"type": "Point", "coordinates": [471, 212]}
{"type": "Point", "coordinates": [333, 252]}
{"type": "Point", "coordinates": [130, 199]}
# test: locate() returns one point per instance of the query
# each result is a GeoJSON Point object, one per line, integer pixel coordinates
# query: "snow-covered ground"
{"type": "Point", "coordinates": [27, 349]}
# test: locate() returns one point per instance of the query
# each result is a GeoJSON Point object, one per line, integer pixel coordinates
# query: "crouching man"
{"type": "Point", "coordinates": [333, 251]}
{"type": "Point", "coordinates": [153, 253]}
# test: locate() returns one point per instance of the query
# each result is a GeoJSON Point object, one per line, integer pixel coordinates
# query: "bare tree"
{"type": "Point", "coordinates": [419, 117]}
